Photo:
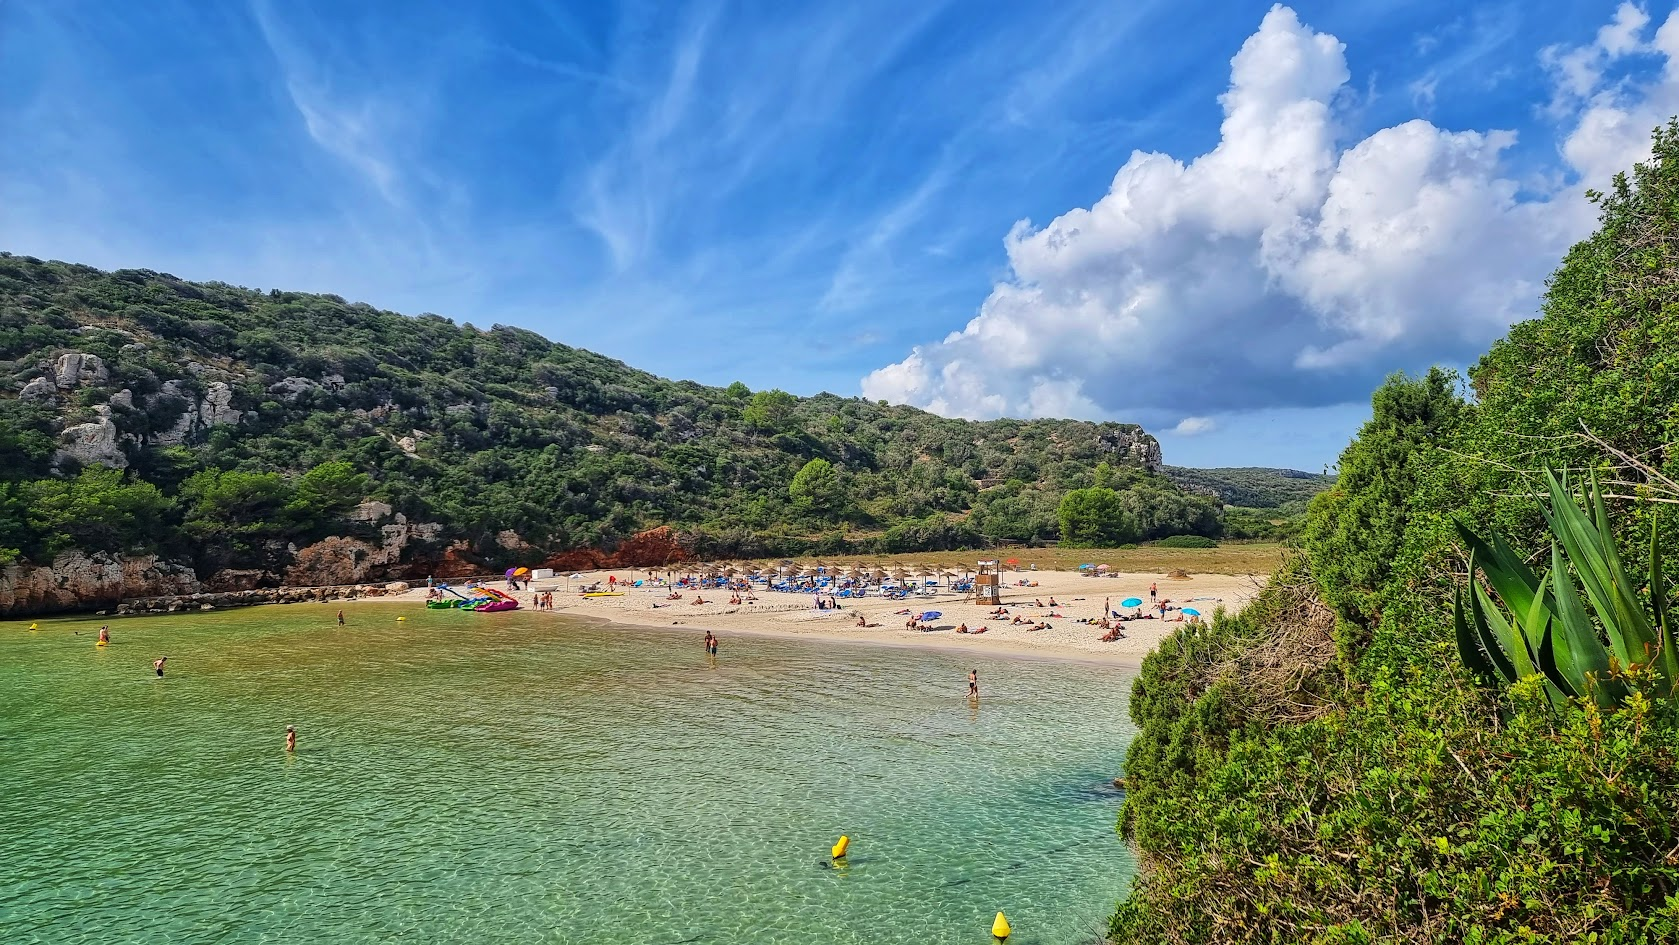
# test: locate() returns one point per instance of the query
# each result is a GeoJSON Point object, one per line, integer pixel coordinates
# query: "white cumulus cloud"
{"type": "Point", "coordinates": [1284, 268]}
{"type": "Point", "coordinates": [1190, 426]}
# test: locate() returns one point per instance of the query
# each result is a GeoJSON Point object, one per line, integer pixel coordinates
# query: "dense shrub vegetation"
{"type": "Point", "coordinates": [1324, 767]}
{"type": "Point", "coordinates": [247, 423]}
{"type": "Point", "coordinates": [1254, 487]}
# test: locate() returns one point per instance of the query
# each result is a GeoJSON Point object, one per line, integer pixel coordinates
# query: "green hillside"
{"type": "Point", "coordinates": [231, 427]}
{"type": "Point", "coordinates": [1255, 487]}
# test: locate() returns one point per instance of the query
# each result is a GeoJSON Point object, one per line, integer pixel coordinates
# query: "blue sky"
{"type": "Point", "coordinates": [830, 197]}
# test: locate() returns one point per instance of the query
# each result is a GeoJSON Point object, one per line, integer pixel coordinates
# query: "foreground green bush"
{"type": "Point", "coordinates": [1407, 816]}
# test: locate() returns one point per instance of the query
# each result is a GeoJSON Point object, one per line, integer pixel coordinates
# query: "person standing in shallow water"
{"type": "Point", "coordinates": [157, 664]}
{"type": "Point", "coordinates": [973, 684]}
{"type": "Point", "coordinates": [291, 738]}
{"type": "Point", "coordinates": [341, 618]}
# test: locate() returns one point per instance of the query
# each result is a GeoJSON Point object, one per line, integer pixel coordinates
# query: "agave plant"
{"type": "Point", "coordinates": [1550, 628]}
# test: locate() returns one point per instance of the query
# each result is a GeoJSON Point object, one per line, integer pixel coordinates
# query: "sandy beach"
{"type": "Point", "coordinates": [1078, 597]}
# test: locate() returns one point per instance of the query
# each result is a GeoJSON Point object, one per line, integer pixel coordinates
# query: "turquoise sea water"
{"type": "Point", "coordinates": [524, 778]}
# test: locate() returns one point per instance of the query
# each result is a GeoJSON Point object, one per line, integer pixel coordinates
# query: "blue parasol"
{"type": "Point", "coordinates": [1131, 602]}
{"type": "Point", "coordinates": [931, 615]}
{"type": "Point", "coordinates": [1086, 567]}
{"type": "Point", "coordinates": [1192, 611]}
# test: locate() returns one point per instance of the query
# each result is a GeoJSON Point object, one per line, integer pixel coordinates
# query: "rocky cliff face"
{"type": "Point", "coordinates": [75, 581]}
{"type": "Point", "coordinates": [149, 584]}
{"type": "Point", "coordinates": [1132, 445]}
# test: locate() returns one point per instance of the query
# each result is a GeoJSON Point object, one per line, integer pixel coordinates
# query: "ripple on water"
{"type": "Point", "coordinates": [475, 779]}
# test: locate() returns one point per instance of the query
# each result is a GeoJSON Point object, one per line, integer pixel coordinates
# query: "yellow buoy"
{"type": "Point", "coordinates": [1000, 928]}
{"type": "Point", "coordinates": [401, 618]}
{"type": "Point", "coordinates": [100, 643]}
{"type": "Point", "coordinates": [34, 626]}
{"type": "Point", "coordinates": [840, 847]}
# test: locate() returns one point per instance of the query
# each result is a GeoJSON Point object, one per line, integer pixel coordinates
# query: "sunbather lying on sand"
{"type": "Point", "coordinates": [699, 600]}
{"type": "Point", "coordinates": [1112, 635]}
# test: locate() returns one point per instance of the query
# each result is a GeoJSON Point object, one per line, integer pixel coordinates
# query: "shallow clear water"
{"type": "Point", "coordinates": [523, 778]}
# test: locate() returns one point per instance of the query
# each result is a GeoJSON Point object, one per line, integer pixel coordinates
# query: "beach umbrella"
{"type": "Point", "coordinates": [1102, 567]}
{"type": "Point", "coordinates": [931, 615]}
{"type": "Point", "coordinates": [509, 572]}
{"type": "Point", "coordinates": [1012, 561]}
{"type": "Point", "coordinates": [1192, 611]}
{"type": "Point", "coordinates": [1131, 602]}
{"type": "Point", "coordinates": [1086, 567]}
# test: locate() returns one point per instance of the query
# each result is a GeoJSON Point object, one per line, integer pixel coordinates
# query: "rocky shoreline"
{"type": "Point", "coordinates": [176, 603]}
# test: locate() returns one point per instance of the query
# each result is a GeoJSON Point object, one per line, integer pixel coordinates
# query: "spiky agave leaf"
{"type": "Point", "coordinates": [1592, 553]}
{"type": "Point", "coordinates": [1548, 665]}
{"type": "Point", "coordinates": [1505, 570]}
{"type": "Point", "coordinates": [1469, 649]}
{"type": "Point", "coordinates": [1581, 656]}
{"type": "Point", "coordinates": [1503, 643]}
{"type": "Point", "coordinates": [1658, 602]}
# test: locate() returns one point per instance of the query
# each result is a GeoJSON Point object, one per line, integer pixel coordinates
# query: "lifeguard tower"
{"type": "Point", "coordinates": [988, 584]}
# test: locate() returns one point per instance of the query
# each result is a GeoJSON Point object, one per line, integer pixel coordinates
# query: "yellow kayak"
{"type": "Point", "coordinates": [604, 594]}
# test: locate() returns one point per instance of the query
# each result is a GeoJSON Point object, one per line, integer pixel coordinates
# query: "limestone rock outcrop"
{"type": "Point", "coordinates": [333, 560]}
{"type": "Point", "coordinates": [78, 581]}
{"type": "Point", "coordinates": [41, 388]}
{"type": "Point", "coordinates": [213, 409]}
{"type": "Point", "coordinates": [290, 388]}
{"type": "Point", "coordinates": [75, 369]}
{"type": "Point", "coordinates": [217, 407]}
{"type": "Point", "coordinates": [1131, 444]}
{"type": "Point", "coordinates": [93, 443]}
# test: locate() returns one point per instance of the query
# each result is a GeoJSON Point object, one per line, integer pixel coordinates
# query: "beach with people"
{"type": "Point", "coordinates": [1069, 614]}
